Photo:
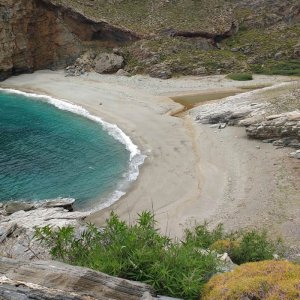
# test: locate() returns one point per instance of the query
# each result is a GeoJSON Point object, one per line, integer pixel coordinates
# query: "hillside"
{"type": "Point", "coordinates": [178, 37]}
{"type": "Point", "coordinates": [220, 36]}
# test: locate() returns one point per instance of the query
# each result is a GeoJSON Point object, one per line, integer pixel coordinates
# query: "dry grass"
{"type": "Point", "coordinates": [266, 280]}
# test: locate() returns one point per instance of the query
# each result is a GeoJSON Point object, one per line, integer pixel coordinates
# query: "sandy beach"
{"type": "Point", "coordinates": [192, 172]}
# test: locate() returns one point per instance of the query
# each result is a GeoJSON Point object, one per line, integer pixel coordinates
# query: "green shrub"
{"type": "Point", "coordinates": [140, 252]}
{"type": "Point", "coordinates": [253, 246]}
{"type": "Point", "coordinates": [240, 76]}
{"type": "Point", "coordinates": [200, 236]}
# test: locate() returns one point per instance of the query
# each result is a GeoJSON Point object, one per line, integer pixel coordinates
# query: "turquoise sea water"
{"type": "Point", "coordinates": [46, 153]}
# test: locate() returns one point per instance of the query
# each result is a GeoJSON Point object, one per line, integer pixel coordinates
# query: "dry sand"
{"type": "Point", "coordinates": [192, 172]}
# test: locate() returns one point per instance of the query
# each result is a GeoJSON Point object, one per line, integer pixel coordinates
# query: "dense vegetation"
{"type": "Point", "coordinates": [267, 280]}
{"type": "Point", "coordinates": [140, 252]}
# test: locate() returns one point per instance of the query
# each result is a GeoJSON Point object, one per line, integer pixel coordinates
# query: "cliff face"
{"type": "Point", "coordinates": [36, 34]}
{"type": "Point", "coordinates": [32, 37]}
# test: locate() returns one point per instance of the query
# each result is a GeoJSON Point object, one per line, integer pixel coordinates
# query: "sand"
{"type": "Point", "coordinates": [192, 172]}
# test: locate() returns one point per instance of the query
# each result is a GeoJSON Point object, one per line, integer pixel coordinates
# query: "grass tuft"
{"type": "Point", "coordinates": [240, 76]}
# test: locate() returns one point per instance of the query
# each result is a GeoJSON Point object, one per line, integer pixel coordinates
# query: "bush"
{"type": "Point", "coordinates": [199, 236]}
{"type": "Point", "coordinates": [139, 252]}
{"type": "Point", "coordinates": [253, 246]}
{"type": "Point", "coordinates": [240, 76]}
{"type": "Point", "coordinates": [242, 246]}
{"type": "Point", "coordinates": [222, 246]}
{"type": "Point", "coordinates": [276, 280]}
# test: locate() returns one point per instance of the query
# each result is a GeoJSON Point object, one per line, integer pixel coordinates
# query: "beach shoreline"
{"type": "Point", "coordinates": [179, 177]}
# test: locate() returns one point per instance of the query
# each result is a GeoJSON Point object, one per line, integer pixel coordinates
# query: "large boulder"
{"type": "Point", "coordinates": [161, 71]}
{"type": "Point", "coordinates": [12, 207]}
{"type": "Point", "coordinates": [286, 125]}
{"type": "Point", "coordinates": [108, 63]}
{"type": "Point", "coordinates": [55, 280]}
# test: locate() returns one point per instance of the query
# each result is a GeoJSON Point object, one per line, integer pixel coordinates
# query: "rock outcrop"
{"type": "Point", "coordinates": [18, 221]}
{"type": "Point", "coordinates": [276, 126]}
{"type": "Point", "coordinates": [283, 130]}
{"type": "Point", "coordinates": [55, 280]}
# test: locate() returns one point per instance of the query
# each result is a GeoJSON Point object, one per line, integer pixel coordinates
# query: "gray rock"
{"type": "Point", "coordinates": [160, 71]}
{"type": "Point", "coordinates": [295, 154]}
{"type": "Point", "coordinates": [66, 203]}
{"type": "Point", "coordinates": [200, 71]}
{"type": "Point", "coordinates": [108, 63]}
{"type": "Point", "coordinates": [285, 127]}
{"type": "Point", "coordinates": [147, 296]}
{"type": "Point", "coordinates": [122, 72]}
{"type": "Point", "coordinates": [6, 230]}
{"type": "Point", "coordinates": [12, 207]}
{"type": "Point", "coordinates": [55, 278]}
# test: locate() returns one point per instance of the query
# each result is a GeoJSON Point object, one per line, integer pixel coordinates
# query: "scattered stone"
{"type": "Point", "coordinates": [122, 72]}
{"type": "Point", "coordinates": [12, 207]}
{"type": "Point", "coordinates": [257, 147]}
{"type": "Point", "coordinates": [278, 55]}
{"type": "Point", "coordinates": [295, 154]}
{"type": "Point", "coordinates": [107, 63]}
{"type": "Point", "coordinates": [268, 141]}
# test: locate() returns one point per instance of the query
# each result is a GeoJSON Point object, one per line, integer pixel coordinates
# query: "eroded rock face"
{"type": "Point", "coordinates": [32, 37]}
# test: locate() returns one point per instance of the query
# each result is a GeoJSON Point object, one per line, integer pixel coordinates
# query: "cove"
{"type": "Point", "coordinates": [46, 153]}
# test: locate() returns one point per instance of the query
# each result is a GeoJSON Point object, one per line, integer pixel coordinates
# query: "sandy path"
{"type": "Point", "coordinates": [191, 173]}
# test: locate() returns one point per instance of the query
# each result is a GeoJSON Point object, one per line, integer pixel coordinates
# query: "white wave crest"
{"type": "Point", "coordinates": [136, 157]}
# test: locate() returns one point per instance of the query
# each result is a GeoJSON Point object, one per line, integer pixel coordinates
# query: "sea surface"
{"type": "Point", "coordinates": [50, 149]}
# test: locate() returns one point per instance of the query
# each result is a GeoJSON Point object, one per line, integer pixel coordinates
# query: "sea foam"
{"type": "Point", "coordinates": [136, 157]}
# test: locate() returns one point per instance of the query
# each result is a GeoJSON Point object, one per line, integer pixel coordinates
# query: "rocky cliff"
{"type": "Point", "coordinates": [36, 34]}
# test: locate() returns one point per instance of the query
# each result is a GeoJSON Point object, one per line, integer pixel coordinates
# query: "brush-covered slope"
{"type": "Point", "coordinates": [177, 36]}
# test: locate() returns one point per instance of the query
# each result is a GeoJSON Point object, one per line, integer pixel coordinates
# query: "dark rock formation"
{"type": "Point", "coordinates": [55, 280]}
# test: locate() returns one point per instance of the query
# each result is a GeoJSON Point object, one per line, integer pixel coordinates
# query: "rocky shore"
{"type": "Point", "coordinates": [282, 130]}
{"type": "Point", "coordinates": [19, 219]}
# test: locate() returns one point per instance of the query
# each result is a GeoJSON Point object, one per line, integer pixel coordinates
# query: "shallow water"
{"type": "Point", "coordinates": [47, 153]}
